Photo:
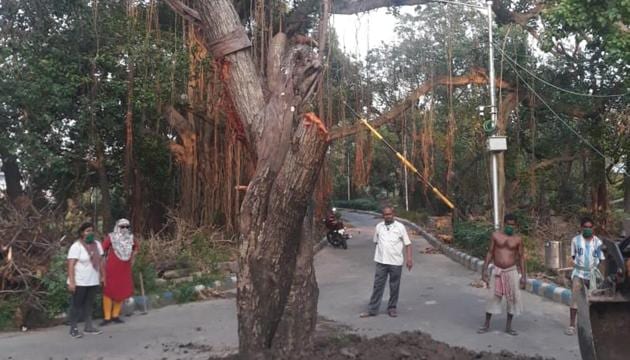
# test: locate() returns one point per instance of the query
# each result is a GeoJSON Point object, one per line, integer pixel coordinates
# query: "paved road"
{"type": "Point", "coordinates": [435, 298]}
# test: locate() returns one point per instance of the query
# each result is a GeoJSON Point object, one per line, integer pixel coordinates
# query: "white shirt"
{"type": "Point", "coordinates": [586, 255]}
{"type": "Point", "coordinates": [84, 272]}
{"type": "Point", "coordinates": [390, 241]}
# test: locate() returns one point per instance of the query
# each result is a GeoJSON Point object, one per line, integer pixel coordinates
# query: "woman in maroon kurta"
{"type": "Point", "coordinates": [119, 247]}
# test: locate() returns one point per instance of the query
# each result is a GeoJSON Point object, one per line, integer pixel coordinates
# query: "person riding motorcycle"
{"type": "Point", "coordinates": [336, 235]}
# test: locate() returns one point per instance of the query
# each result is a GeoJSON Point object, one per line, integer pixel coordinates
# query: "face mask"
{"type": "Point", "coordinates": [89, 239]}
{"type": "Point", "coordinates": [509, 230]}
{"type": "Point", "coordinates": [587, 233]}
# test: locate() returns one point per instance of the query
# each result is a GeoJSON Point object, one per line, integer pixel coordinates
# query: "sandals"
{"type": "Point", "coordinates": [392, 313]}
{"type": "Point", "coordinates": [483, 330]}
{"type": "Point", "coordinates": [511, 332]}
{"type": "Point", "coordinates": [570, 331]}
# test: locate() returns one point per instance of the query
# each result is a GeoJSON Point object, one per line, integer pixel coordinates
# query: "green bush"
{"type": "Point", "coordinates": [57, 297]}
{"type": "Point", "coordinates": [473, 237]}
{"type": "Point", "coordinates": [416, 217]}
{"type": "Point", "coordinates": [7, 313]}
{"type": "Point", "coordinates": [358, 204]}
{"type": "Point", "coordinates": [535, 265]}
{"type": "Point", "coordinates": [533, 261]}
{"type": "Point", "coordinates": [184, 294]}
{"type": "Point", "coordinates": [205, 254]}
{"type": "Point", "coordinates": [143, 265]}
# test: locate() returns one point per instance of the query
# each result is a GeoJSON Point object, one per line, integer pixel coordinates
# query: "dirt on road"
{"type": "Point", "coordinates": [406, 345]}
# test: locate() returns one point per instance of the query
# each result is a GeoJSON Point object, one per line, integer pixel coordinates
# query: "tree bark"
{"type": "Point", "coordinates": [506, 106]}
{"type": "Point", "coordinates": [12, 177]}
{"type": "Point", "coordinates": [103, 183]}
{"type": "Point", "coordinates": [132, 191]}
{"type": "Point", "coordinates": [300, 315]}
{"type": "Point", "coordinates": [274, 263]}
{"type": "Point", "coordinates": [599, 190]}
{"type": "Point", "coordinates": [626, 186]}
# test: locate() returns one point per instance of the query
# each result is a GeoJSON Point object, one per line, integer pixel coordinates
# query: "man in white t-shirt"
{"type": "Point", "coordinates": [392, 243]}
{"type": "Point", "coordinates": [586, 252]}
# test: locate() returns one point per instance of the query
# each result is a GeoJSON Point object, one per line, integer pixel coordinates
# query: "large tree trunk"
{"type": "Point", "coordinates": [506, 106]}
{"type": "Point", "coordinates": [274, 260]}
{"type": "Point", "coordinates": [12, 177]}
{"type": "Point", "coordinates": [626, 187]}
{"type": "Point", "coordinates": [103, 184]}
{"type": "Point", "coordinates": [599, 191]}
{"type": "Point", "coordinates": [300, 315]}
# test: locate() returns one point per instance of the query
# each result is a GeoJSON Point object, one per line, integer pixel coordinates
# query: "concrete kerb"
{"type": "Point", "coordinates": [538, 287]}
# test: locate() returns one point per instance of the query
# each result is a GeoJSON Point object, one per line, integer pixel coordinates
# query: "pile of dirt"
{"type": "Point", "coordinates": [406, 345]}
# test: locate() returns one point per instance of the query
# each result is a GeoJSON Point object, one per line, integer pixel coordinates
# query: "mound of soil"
{"type": "Point", "coordinates": [406, 345]}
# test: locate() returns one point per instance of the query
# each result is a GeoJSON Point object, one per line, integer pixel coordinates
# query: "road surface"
{"type": "Point", "coordinates": [435, 298]}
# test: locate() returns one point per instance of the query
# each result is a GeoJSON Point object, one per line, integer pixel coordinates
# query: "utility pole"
{"type": "Point", "coordinates": [496, 144]}
{"type": "Point", "coordinates": [404, 138]}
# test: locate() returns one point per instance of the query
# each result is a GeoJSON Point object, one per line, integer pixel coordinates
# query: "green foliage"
{"type": "Point", "coordinates": [533, 255]}
{"type": "Point", "coordinates": [473, 237]}
{"type": "Point", "coordinates": [8, 308]}
{"type": "Point", "coordinates": [603, 24]}
{"type": "Point", "coordinates": [417, 217]}
{"type": "Point", "coordinates": [143, 265]}
{"type": "Point", "coordinates": [57, 295]}
{"type": "Point", "coordinates": [184, 293]}
{"type": "Point", "coordinates": [358, 204]}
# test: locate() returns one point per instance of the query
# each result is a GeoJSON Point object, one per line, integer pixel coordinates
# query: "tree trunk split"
{"type": "Point", "coordinates": [276, 269]}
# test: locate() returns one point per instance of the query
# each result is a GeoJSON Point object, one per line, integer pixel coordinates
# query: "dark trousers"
{"type": "Point", "coordinates": [380, 277]}
{"type": "Point", "coordinates": [82, 304]}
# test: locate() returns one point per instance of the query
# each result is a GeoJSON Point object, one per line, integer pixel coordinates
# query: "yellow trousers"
{"type": "Point", "coordinates": [111, 308]}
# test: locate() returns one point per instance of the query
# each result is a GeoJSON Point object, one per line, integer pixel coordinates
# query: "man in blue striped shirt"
{"type": "Point", "coordinates": [586, 252]}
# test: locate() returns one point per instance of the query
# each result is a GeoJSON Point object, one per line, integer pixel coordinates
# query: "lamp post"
{"type": "Point", "coordinates": [493, 114]}
{"type": "Point", "coordinates": [496, 143]}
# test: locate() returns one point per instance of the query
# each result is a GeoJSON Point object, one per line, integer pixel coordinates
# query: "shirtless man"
{"type": "Point", "coordinates": [507, 254]}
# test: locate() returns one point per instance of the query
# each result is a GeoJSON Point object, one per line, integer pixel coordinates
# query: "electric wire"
{"type": "Point", "coordinates": [556, 86]}
{"type": "Point", "coordinates": [567, 125]}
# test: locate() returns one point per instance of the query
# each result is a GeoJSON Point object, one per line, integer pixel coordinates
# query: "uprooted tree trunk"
{"type": "Point", "coordinates": [276, 287]}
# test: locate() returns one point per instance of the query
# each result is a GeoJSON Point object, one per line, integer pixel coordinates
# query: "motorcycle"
{"type": "Point", "coordinates": [337, 235]}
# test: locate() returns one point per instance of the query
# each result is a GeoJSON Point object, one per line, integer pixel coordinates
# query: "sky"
{"type": "Point", "coordinates": [361, 32]}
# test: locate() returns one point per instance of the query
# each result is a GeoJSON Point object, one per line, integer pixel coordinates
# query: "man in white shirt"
{"type": "Point", "coordinates": [586, 252]}
{"type": "Point", "coordinates": [392, 242]}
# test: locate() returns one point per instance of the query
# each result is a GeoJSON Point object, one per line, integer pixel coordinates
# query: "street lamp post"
{"type": "Point", "coordinates": [493, 114]}
{"type": "Point", "coordinates": [496, 143]}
